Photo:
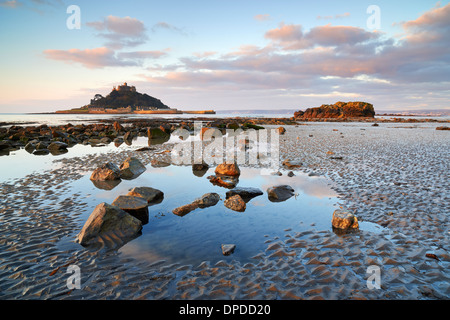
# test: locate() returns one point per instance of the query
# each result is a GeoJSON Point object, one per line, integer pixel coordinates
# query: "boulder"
{"type": "Point", "coordinates": [344, 220]}
{"type": "Point", "coordinates": [151, 195]}
{"type": "Point", "coordinates": [280, 193]}
{"type": "Point", "coordinates": [228, 169]}
{"type": "Point", "coordinates": [108, 171]}
{"type": "Point", "coordinates": [136, 206]}
{"type": "Point", "coordinates": [57, 146]}
{"type": "Point", "coordinates": [111, 222]}
{"type": "Point", "coordinates": [131, 168]}
{"type": "Point", "coordinates": [235, 203]}
{"type": "Point", "coordinates": [155, 133]}
{"type": "Point", "coordinates": [246, 193]}
{"type": "Point", "coordinates": [208, 200]}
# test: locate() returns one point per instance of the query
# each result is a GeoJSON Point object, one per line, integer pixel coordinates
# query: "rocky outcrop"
{"type": "Point", "coordinates": [108, 222]}
{"type": "Point", "coordinates": [338, 110]}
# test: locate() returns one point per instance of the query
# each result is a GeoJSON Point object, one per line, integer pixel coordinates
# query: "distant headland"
{"type": "Point", "coordinates": [124, 99]}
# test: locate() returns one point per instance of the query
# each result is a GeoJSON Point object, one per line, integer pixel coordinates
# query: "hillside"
{"type": "Point", "coordinates": [124, 97]}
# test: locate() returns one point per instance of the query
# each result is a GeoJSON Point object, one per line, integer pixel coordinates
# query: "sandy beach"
{"type": "Point", "coordinates": [394, 176]}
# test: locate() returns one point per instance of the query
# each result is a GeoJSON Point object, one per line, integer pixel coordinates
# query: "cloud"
{"type": "Point", "coordinates": [292, 37]}
{"type": "Point", "coordinates": [121, 32]}
{"type": "Point", "coordinates": [337, 16]}
{"type": "Point", "coordinates": [90, 58]}
{"type": "Point", "coordinates": [10, 4]}
{"type": "Point", "coordinates": [141, 55]}
{"type": "Point", "coordinates": [167, 26]}
{"type": "Point", "coordinates": [262, 17]}
{"type": "Point", "coordinates": [327, 61]}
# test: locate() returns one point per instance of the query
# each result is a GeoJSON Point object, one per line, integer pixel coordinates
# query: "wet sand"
{"type": "Point", "coordinates": [393, 175]}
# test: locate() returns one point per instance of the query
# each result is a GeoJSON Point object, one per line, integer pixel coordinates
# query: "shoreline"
{"type": "Point", "coordinates": [378, 179]}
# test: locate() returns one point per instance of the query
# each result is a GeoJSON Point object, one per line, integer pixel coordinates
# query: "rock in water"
{"type": "Point", "coordinates": [344, 220]}
{"type": "Point", "coordinates": [57, 146]}
{"type": "Point", "coordinates": [150, 194]}
{"type": "Point", "coordinates": [131, 168]}
{"type": "Point", "coordinates": [280, 193]}
{"type": "Point", "coordinates": [136, 206]}
{"type": "Point", "coordinates": [110, 221]}
{"type": "Point", "coordinates": [246, 193]}
{"type": "Point", "coordinates": [228, 249]}
{"type": "Point", "coordinates": [118, 127]}
{"type": "Point", "coordinates": [108, 171]}
{"type": "Point", "coordinates": [235, 203]}
{"type": "Point", "coordinates": [208, 200]}
{"type": "Point", "coordinates": [184, 210]}
{"type": "Point", "coordinates": [228, 169]}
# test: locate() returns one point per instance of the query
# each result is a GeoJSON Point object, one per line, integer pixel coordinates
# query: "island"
{"type": "Point", "coordinates": [339, 110]}
{"type": "Point", "coordinates": [124, 99]}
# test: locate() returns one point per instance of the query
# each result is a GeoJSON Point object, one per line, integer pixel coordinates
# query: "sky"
{"type": "Point", "coordinates": [226, 55]}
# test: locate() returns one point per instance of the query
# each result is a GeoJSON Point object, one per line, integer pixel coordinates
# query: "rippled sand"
{"type": "Point", "coordinates": [394, 176]}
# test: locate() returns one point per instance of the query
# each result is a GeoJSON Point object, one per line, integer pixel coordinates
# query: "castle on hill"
{"type": "Point", "coordinates": [124, 87]}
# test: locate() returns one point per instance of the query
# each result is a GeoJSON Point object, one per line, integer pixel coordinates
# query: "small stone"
{"type": "Point", "coordinates": [228, 249]}
{"type": "Point", "coordinates": [184, 210]}
{"type": "Point", "coordinates": [235, 203]}
{"type": "Point", "coordinates": [280, 193]}
{"type": "Point", "coordinates": [246, 193]}
{"type": "Point", "coordinates": [344, 220]}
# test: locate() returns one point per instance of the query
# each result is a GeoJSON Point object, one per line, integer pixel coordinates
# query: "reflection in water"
{"type": "Point", "coordinates": [199, 235]}
{"type": "Point", "coordinates": [107, 184]}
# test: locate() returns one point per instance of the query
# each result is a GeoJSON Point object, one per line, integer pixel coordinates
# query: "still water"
{"type": "Point", "coordinates": [197, 236]}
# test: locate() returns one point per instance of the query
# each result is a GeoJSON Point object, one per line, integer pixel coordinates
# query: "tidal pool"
{"type": "Point", "coordinates": [198, 236]}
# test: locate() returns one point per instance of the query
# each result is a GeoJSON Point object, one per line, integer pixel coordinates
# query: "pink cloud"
{"type": "Point", "coordinates": [292, 37]}
{"type": "Point", "coordinates": [121, 32]}
{"type": "Point", "coordinates": [262, 17]}
{"type": "Point", "coordinates": [90, 58]}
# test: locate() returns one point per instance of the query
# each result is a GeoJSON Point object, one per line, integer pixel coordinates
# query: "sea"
{"type": "Point", "coordinates": [53, 119]}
